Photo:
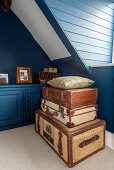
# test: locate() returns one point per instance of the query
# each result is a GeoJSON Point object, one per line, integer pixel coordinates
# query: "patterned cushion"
{"type": "Point", "coordinates": [70, 82]}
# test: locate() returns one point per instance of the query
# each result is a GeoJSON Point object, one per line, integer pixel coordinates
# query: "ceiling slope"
{"type": "Point", "coordinates": [88, 27]}
{"type": "Point", "coordinates": [64, 38]}
{"type": "Point", "coordinates": [43, 26]}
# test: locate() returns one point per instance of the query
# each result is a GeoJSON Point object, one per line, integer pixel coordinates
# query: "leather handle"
{"type": "Point", "coordinates": [87, 142]}
{"type": "Point", "coordinates": [49, 113]}
{"type": "Point", "coordinates": [60, 143]}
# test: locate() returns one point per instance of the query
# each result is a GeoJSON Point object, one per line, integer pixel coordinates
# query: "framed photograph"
{"type": "Point", "coordinates": [5, 77]}
{"type": "Point", "coordinates": [23, 75]}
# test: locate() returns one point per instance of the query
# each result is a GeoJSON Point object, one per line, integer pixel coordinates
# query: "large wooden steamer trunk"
{"type": "Point", "coordinates": [71, 99]}
{"type": "Point", "coordinates": [70, 118]}
{"type": "Point", "coordinates": [72, 145]}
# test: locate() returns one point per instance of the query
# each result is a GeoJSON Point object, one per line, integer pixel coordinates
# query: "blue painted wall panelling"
{"type": "Point", "coordinates": [21, 102]}
{"type": "Point", "coordinates": [105, 6]}
{"type": "Point", "coordinates": [78, 10]}
{"type": "Point", "coordinates": [94, 62]}
{"type": "Point", "coordinates": [78, 17]}
{"type": "Point", "coordinates": [32, 103]}
{"type": "Point", "coordinates": [93, 10]}
{"type": "Point", "coordinates": [88, 25]}
{"type": "Point", "coordinates": [18, 47]}
{"type": "Point", "coordinates": [89, 41]}
{"type": "Point", "coordinates": [13, 113]}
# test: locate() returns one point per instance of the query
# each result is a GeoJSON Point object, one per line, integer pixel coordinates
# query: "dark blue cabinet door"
{"type": "Point", "coordinates": [33, 97]}
{"type": "Point", "coordinates": [11, 107]}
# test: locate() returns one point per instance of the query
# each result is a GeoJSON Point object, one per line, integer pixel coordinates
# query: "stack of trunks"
{"type": "Point", "coordinates": [68, 123]}
{"type": "Point", "coordinates": [71, 107]}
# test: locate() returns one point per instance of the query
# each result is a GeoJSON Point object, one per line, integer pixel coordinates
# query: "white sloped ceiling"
{"type": "Point", "coordinates": [37, 24]}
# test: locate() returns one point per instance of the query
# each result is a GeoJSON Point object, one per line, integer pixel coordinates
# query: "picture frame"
{"type": "Point", "coordinates": [6, 5]}
{"type": "Point", "coordinates": [4, 76]}
{"type": "Point", "coordinates": [23, 75]}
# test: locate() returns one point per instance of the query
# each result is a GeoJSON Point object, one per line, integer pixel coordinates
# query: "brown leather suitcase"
{"type": "Point", "coordinates": [70, 118]}
{"type": "Point", "coordinates": [46, 75]}
{"type": "Point", "coordinates": [72, 98]}
{"type": "Point", "coordinates": [73, 145]}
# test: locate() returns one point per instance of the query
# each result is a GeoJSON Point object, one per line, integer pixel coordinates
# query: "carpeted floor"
{"type": "Point", "coordinates": [24, 149]}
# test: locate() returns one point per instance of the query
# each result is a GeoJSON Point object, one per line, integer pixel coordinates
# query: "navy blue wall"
{"type": "Point", "coordinates": [88, 25]}
{"type": "Point", "coordinates": [104, 81]}
{"type": "Point", "coordinates": [18, 47]}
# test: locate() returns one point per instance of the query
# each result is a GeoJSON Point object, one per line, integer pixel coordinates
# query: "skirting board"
{"type": "Point", "coordinates": [109, 140]}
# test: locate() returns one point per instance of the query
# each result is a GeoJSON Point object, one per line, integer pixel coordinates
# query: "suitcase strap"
{"type": "Point", "coordinates": [61, 98]}
{"type": "Point", "coordinates": [38, 123]}
{"type": "Point", "coordinates": [60, 143]}
{"type": "Point", "coordinates": [87, 142]}
{"type": "Point", "coordinates": [49, 113]}
{"type": "Point", "coordinates": [61, 109]}
{"type": "Point", "coordinates": [45, 98]}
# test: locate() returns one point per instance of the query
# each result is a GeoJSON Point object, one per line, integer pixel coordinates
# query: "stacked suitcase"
{"type": "Point", "coordinates": [44, 76]}
{"type": "Point", "coordinates": [71, 107]}
{"type": "Point", "coordinates": [68, 123]}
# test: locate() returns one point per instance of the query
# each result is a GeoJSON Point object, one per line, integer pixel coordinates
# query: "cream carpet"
{"type": "Point", "coordinates": [24, 149]}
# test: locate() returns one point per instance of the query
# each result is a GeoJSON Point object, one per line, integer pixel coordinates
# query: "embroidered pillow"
{"type": "Point", "coordinates": [70, 82]}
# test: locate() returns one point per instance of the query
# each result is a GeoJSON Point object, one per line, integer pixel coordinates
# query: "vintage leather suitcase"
{"type": "Point", "coordinates": [46, 75]}
{"type": "Point", "coordinates": [71, 99]}
{"type": "Point", "coordinates": [70, 118]}
{"type": "Point", "coordinates": [72, 144]}
{"type": "Point", "coordinates": [41, 81]}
